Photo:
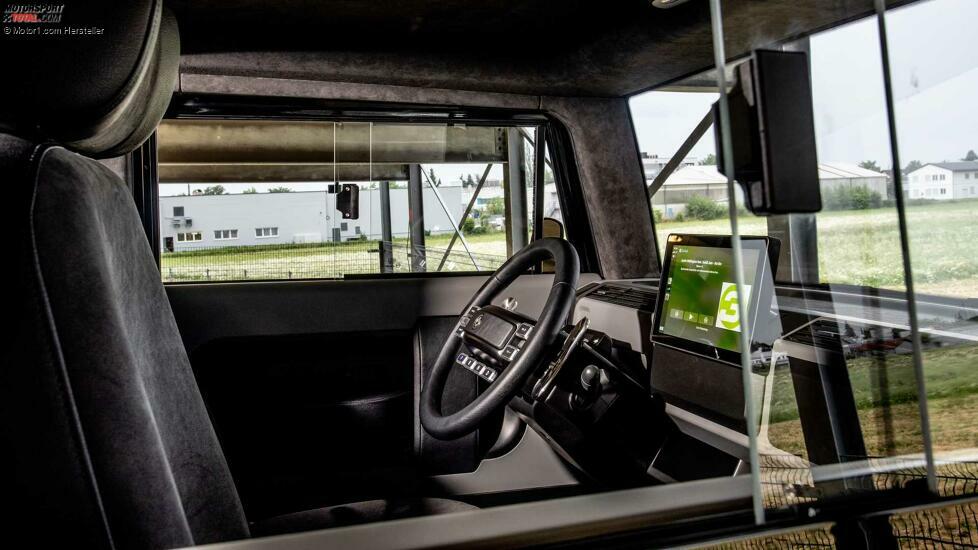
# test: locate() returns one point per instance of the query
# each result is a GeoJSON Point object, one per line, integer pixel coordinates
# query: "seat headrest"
{"type": "Point", "coordinates": [93, 75]}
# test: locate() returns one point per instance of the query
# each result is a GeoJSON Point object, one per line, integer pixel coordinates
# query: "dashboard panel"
{"type": "Point", "coordinates": [701, 431]}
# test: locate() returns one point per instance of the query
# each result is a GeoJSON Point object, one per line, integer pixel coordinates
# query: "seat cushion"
{"type": "Point", "coordinates": [357, 513]}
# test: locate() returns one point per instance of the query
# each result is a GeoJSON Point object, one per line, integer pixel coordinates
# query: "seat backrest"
{"type": "Point", "coordinates": [104, 438]}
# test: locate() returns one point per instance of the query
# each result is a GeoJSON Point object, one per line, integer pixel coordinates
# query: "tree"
{"type": "Point", "coordinates": [432, 178]}
{"type": "Point", "coordinates": [870, 165]}
{"type": "Point", "coordinates": [214, 190]}
{"type": "Point", "coordinates": [971, 155]}
{"type": "Point", "coordinates": [495, 206]}
{"type": "Point", "coordinates": [710, 159]}
{"type": "Point", "coordinates": [469, 181]}
{"type": "Point", "coordinates": [702, 208]}
{"type": "Point", "coordinates": [859, 197]}
{"type": "Point", "coordinates": [250, 191]}
{"type": "Point", "coordinates": [279, 190]}
{"type": "Point", "coordinates": [913, 165]}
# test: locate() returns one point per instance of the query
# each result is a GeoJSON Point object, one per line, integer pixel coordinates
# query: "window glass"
{"type": "Point", "coordinates": [857, 241]}
{"type": "Point", "coordinates": [860, 389]}
{"type": "Point", "coordinates": [934, 71]}
{"type": "Point", "coordinates": [853, 417]}
{"type": "Point", "coordinates": [271, 200]}
{"type": "Point", "coordinates": [692, 198]}
{"type": "Point", "coordinates": [832, 383]}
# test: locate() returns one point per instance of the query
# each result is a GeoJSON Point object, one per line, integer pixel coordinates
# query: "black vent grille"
{"type": "Point", "coordinates": [628, 296]}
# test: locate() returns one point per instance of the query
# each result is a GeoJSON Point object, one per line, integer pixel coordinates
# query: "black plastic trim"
{"type": "Point", "coordinates": [571, 197]}
{"type": "Point", "coordinates": [141, 171]}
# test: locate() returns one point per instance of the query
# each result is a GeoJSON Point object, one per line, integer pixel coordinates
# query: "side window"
{"type": "Point", "coordinates": [856, 241]}
{"type": "Point", "coordinates": [256, 200]}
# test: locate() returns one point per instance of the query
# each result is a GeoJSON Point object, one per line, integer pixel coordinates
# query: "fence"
{"type": "Point", "coordinates": [326, 260]}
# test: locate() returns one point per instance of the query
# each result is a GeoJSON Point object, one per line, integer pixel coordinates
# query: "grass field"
{"type": "Point", "coordinates": [862, 247]}
{"type": "Point", "coordinates": [325, 260]}
{"type": "Point", "coordinates": [855, 247]}
{"type": "Point", "coordinates": [885, 392]}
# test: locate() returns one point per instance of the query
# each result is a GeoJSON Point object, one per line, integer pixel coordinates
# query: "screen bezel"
{"type": "Point", "coordinates": [764, 288]}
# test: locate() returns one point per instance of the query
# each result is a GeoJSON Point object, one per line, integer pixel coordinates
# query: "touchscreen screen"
{"type": "Point", "coordinates": [701, 300]}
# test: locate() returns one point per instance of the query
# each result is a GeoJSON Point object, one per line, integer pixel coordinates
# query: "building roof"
{"type": "Point", "coordinates": [697, 174]}
{"type": "Point", "coordinates": [702, 174]}
{"type": "Point", "coordinates": [844, 170]}
{"type": "Point", "coordinates": [959, 166]}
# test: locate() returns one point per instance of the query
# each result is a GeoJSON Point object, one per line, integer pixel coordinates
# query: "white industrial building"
{"type": "Point", "coordinates": [199, 221]}
{"type": "Point", "coordinates": [943, 181]}
{"type": "Point", "coordinates": [652, 164]}
{"type": "Point", "coordinates": [551, 204]}
{"type": "Point", "coordinates": [690, 180]}
{"type": "Point", "coordinates": [839, 174]}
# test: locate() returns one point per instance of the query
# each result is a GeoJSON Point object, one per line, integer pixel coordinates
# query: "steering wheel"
{"type": "Point", "coordinates": [505, 349]}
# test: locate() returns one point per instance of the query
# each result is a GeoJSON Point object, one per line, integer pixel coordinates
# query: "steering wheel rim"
{"type": "Point", "coordinates": [513, 377]}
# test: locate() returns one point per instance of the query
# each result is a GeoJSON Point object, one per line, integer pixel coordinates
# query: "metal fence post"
{"type": "Point", "coordinates": [382, 256]}
{"type": "Point", "coordinates": [386, 235]}
{"type": "Point", "coordinates": [416, 219]}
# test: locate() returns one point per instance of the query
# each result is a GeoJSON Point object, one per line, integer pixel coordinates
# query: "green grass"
{"type": "Point", "coordinates": [951, 372]}
{"type": "Point", "coordinates": [323, 260]}
{"type": "Point", "coordinates": [885, 392]}
{"type": "Point", "coordinates": [855, 247]}
{"type": "Point", "coordinates": [862, 247]}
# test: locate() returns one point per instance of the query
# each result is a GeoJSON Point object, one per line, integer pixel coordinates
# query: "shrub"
{"type": "Point", "coordinates": [702, 208]}
{"type": "Point", "coordinates": [657, 215]}
{"type": "Point", "coordinates": [468, 226]}
{"type": "Point", "coordinates": [851, 198]}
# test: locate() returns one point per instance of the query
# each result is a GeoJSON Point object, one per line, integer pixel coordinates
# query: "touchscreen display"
{"type": "Point", "coordinates": [701, 301]}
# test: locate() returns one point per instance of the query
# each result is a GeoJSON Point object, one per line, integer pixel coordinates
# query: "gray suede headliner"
{"type": "Point", "coordinates": [444, 53]}
{"type": "Point", "coordinates": [522, 46]}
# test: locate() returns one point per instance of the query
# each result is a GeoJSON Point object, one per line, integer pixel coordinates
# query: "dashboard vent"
{"type": "Point", "coordinates": [628, 296]}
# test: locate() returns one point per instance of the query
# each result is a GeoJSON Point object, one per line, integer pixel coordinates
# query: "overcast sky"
{"type": "Point", "coordinates": [934, 62]}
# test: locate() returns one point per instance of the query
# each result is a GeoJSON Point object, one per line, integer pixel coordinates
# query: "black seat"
{"type": "Point", "coordinates": [104, 437]}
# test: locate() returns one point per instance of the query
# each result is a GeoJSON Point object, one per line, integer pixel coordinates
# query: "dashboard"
{"type": "Point", "coordinates": [635, 406]}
